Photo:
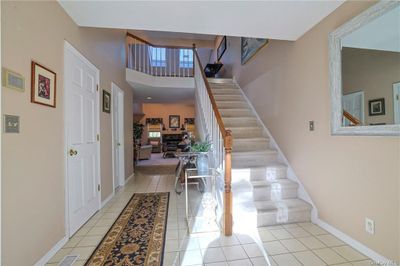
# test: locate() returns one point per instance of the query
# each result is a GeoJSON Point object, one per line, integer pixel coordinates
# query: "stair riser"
{"type": "Point", "coordinates": [228, 97]}
{"type": "Point", "coordinates": [247, 132]}
{"type": "Point", "coordinates": [230, 122]}
{"type": "Point", "coordinates": [263, 193]}
{"type": "Point", "coordinates": [293, 216]}
{"type": "Point", "coordinates": [253, 160]}
{"type": "Point", "coordinates": [249, 145]}
{"type": "Point", "coordinates": [262, 173]}
{"type": "Point", "coordinates": [228, 104]}
{"type": "Point", "coordinates": [236, 113]}
{"type": "Point", "coordinates": [226, 91]}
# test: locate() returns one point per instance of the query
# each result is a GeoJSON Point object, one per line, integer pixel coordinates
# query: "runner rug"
{"type": "Point", "coordinates": [138, 235]}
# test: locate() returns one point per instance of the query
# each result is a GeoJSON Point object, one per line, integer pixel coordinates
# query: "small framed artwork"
{"type": "Point", "coordinates": [43, 85]}
{"type": "Point", "coordinates": [376, 107]}
{"type": "Point", "coordinates": [221, 48]}
{"type": "Point", "coordinates": [174, 121]}
{"type": "Point", "coordinates": [106, 101]}
{"type": "Point", "coordinates": [13, 80]}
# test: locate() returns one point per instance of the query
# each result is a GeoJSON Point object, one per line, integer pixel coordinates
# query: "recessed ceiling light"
{"type": "Point", "coordinates": [148, 98]}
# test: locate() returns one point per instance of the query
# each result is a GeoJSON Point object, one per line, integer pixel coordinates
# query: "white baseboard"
{"type": "Point", "coordinates": [52, 252]}
{"type": "Point", "coordinates": [129, 178]}
{"type": "Point", "coordinates": [104, 202]}
{"type": "Point", "coordinates": [353, 243]}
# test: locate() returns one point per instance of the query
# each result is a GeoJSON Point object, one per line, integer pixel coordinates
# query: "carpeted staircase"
{"type": "Point", "coordinates": [262, 193]}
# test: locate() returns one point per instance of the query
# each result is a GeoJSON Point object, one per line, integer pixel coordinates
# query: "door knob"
{"type": "Point", "coordinates": [72, 152]}
{"type": "Point", "coordinates": [118, 144]}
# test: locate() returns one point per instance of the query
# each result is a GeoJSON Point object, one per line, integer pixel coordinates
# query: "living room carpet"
{"type": "Point", "coordinates": [138, 235]}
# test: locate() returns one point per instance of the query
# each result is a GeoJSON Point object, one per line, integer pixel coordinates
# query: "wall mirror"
{"type": "Point", "coordinates": [364, 56]}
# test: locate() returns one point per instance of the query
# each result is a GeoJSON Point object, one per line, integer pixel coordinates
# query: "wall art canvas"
{"type": "Point", "coordinates": [250, 46]}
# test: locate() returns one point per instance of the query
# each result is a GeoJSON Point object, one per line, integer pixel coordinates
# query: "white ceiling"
{"type": "Point", "coordinates": [284, 20]}
{"type": "Point", "coordinates": [383, 33]}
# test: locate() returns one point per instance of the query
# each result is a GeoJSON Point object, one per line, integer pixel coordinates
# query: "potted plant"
{"type": "Point", "coordinates": [137, 131]}
{"type": "Point", "coordinates": [202, 149]}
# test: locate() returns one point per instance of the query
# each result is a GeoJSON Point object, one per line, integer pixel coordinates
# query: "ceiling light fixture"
{"type": "Point", "coordinates": [148, 98]}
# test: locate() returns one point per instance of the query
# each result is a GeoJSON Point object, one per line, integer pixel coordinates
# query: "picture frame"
{"type": "Point", "coordinates": [43, 85]}
{"type": "Point", "coordinates": [13, 80]}
{"type": "Point", "coordinates": [174, 121]}
{"type": "Point", "coordinates": [221, 48]}
{"type": "Point", "coordinates": [249, 47]}
{"type": "Point", "coordinates": [106, 102]}
{"type": "Point", "coordinates": [376, 107]}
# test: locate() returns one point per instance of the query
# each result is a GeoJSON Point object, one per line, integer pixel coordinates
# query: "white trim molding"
{"type": "Point", "coordinates": [353, 243]}
{"type": "Point", "coordinates": [129, 178]}
{"type": "Point", "coordinates": [52, 252]}
{"type": "Point", "coordinates": [335, 73]}
{"type": "Point", "coordinates": [106, 200]}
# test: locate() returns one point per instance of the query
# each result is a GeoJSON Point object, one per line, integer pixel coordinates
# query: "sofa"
{"type": "Point", "coordinates": [145, 152]}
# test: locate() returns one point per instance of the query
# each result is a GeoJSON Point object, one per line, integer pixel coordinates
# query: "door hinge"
{"type": "Point", "coordinates": [97, 87]}
{"type": "Point", "coordinates": [397, 97]}
{"type": "Point", "coordinates": [98, 137]}
{"type": "Point", "coordinates": [98, 187]}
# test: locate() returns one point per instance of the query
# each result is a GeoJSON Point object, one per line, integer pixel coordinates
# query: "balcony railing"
{"type": "Point", "coordinates": [160, 61]}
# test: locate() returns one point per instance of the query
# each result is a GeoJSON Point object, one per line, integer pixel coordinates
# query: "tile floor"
{"type": "Point", "coordinates": [286, 245]}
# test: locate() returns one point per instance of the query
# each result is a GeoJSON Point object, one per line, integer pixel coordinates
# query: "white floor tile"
{"type": "Point", "coordinates": [311, 242]}
{"type": "Point", "coordinates": [293, 245]}
{"type": "Point", "coordinates": [286, 260]}
{"type": "Point", "coordinates": [308, 258]}
{"type": "Point", "coordinates": [245, 262]}
{"type": "Point", "coordinates": [234, 253]}
{"type": "Point", "coordinates": [274, 247]}
{"type": "Point", "coordinates": [329, 256]}
{"type": "Point", "coordinates": [330, 240]}
{"type": "Point", "coordinates": [252, 250]}
{"type": "Point", "coordinates": [349, 253]}
{"type": "Point", "coordinates": [213, 255]}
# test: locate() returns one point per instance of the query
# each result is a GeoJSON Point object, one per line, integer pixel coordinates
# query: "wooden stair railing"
{"type": "Point", "coordinates": [227, 140]}
{"type": "Point", "coordinates": [351, 118]}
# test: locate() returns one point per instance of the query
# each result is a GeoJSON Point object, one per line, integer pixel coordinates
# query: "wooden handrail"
{"type": "Point", "coordinates": [228, 143]}
{"type": "Point", "coordinates": [157, 45]}
{"type": "Point", "coordinates": [351, 118]}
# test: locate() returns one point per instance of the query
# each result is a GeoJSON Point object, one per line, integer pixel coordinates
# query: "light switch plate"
{"type": "Point", "coordinates": [11, 124]}
{"type": "Point", "coordinates": [311, 125]}
{"type": "Point", "coordinates": [369, 226]}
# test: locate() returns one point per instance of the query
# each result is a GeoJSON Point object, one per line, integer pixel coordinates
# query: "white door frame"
{"type": "Point", "coordinates": [70, 48]}
{"type": "Point", "coordinates": [117, 91]}
{"type": "Point", "coordinates": [396, 102]}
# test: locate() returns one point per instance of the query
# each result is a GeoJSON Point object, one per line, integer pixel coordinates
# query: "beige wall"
{"type": "Point", "coordinates": [164, 110]}
{"type": "Point", "coordinates": [33, 189]}
{"type": "Point", "coordinates": [348, 177]}
{"type": "Point", "coordinates": [373, 72]}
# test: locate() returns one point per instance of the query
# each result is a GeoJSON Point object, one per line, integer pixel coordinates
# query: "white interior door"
{"type": "Point", "coordinates": [354, 104]}
{"type": "Point", "coordinates": [396, 102]}
{"type": "Point", "coordinates": [82, 127]}
{"type": "Point", "coordinates": [118, 135]}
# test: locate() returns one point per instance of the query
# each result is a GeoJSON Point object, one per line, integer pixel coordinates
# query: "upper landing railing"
{"type": "Point", "coordinates": [161, 61]}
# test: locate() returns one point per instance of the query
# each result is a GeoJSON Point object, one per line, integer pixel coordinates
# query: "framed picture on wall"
{"type": "Point", "coordinates": [376, 107]}
{"type": "Point", "coordinates": [221, 48]}
{"type": "Point", "coordinates": [174, 121]}
{"type": "Point", "coordinates": [249, 47]}
{"type": "Point", "coordinates": [106, 101]}
{"type": "Point", "coordinates": [43, 85]}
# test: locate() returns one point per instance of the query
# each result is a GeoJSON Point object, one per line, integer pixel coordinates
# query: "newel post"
{"type": "Point", "coordinates": [228, 222]}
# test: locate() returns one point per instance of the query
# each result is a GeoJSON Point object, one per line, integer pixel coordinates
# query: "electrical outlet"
{"type": "Point", "coordinates": [311, 125]}
{"type": "Point", "coordinates": [369, 226]}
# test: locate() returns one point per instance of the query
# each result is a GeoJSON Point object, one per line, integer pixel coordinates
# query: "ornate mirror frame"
{"type": "Point", "coordinates": [335, 68]}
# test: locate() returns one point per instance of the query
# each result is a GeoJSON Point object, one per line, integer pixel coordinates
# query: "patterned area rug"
{"type": "Point", "coordinates": [138, 235]}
